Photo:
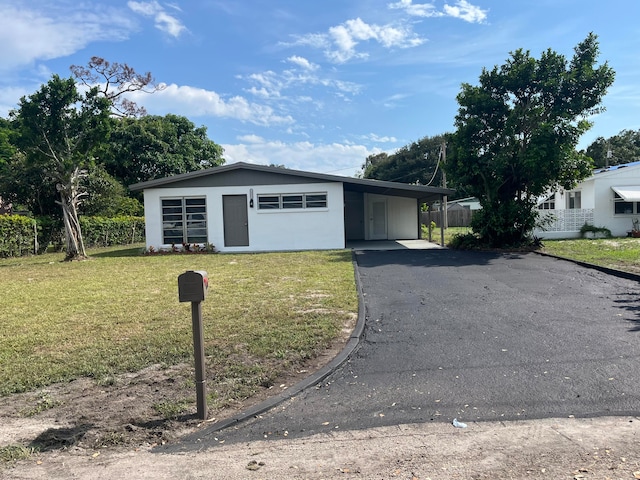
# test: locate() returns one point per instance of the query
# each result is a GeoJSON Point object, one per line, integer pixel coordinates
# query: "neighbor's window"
{"type": "Point", "coordinates": [184, 220]}
{"type": "Point", "coordinates": [292, 201]}
{"type": "Point", "coordinates": [574, 200]}
{"type": "Point", "coordinates": [549, 203]}
{"type": "Point", "coordinates": [621, 207]}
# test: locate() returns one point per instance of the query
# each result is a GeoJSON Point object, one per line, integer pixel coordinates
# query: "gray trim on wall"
{"type": "Point", "coordinates": [247, 174]}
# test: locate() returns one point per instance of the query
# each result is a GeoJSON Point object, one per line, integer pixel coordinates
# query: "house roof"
{"type": "Point", "coordinates": [613, 169]}
{"type": "Point", "coordinates": [420, 192]}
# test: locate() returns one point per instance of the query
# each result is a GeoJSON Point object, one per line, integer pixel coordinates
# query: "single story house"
{"type": "Point", "coordinates": [243, 207]}
{"type": "Point", "coordinates": [609, 198]}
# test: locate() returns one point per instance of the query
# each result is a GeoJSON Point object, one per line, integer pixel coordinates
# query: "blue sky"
{"type": "Point", "coordinates": [314, 85]}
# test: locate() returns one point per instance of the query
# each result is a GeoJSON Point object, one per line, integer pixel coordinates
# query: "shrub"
{"type": "Point", "coordinates": [464, 241]}
{"type": "Point", "coordinates": [17, 235]}
{"type": "Point", "coordinates": [596, 231]}
{"type": "Point", "coordinates": [104, 232]}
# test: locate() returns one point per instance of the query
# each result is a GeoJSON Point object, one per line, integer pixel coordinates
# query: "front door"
{"type": "Point", "coordinates": [378, 220]}
{"type": "Point", "coordinates": [236, 221]}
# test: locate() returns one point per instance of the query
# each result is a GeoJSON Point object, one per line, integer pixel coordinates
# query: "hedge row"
{"type": "Point", "coordinates": [104, 232]}
{"type": "Point", "coordinates": [20, 235]}
{"type": "Point", "coordinates": [17, 235]}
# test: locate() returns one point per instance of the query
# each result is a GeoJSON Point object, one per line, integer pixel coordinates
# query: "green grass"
{"type": "Point", "coordinates": [448, 233]}
{"type": "Point", "coordinates": [119, 312]}
{"type": "Point", "coordinates": [13, 453]}
{"type": "Point", "coordinates": [617, 253]}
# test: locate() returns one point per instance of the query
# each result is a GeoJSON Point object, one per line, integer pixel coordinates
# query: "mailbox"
{"type": "Point", "coordinates": [193, 286]}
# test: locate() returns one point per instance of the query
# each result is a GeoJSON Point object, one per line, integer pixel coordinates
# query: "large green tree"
{"type": "Point", "coordinates": [150, 147]}
{"type": "Point", "coordinates": [59, 130]}
{"type": "Point", "coordinates": [621, 148]}
{"type": "Point", "coordinates": [517, 133]}
{"type": "Point", "coordinates": [418, 162]}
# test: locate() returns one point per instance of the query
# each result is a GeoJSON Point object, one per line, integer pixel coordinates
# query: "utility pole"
{"type": "Point", "coordinates": [443, 153]}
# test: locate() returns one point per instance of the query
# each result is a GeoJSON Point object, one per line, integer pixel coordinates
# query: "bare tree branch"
{"type": "Point", "coordinates": [114, 81]}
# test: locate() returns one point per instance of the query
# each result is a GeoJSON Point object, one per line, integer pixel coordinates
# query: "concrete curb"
{"type": "Point", "coordinates": [607, 270]}
{"type": "Point", "coordinates": [310, 381]}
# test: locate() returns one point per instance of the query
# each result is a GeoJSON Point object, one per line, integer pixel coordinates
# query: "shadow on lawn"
{"type": "Point", "coordinates": [122, 252]}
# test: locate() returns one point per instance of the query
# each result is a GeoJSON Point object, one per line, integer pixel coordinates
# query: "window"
{"type": "Point", "coordinates": [184, 220]}
{"type": "Point", "coordinates": [292, 201]}
{"type": "Point", "coordinates": [574, 200]}
{"type": "Point", "coordinates": [549, 203]}
{"type": "Point", "coordinates": [621, 207]}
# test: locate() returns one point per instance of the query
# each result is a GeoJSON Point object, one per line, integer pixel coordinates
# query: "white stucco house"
{"type": "Point", "coordinates": [609, 198]}
{"type": "Point", "coordinates": [243, 207]}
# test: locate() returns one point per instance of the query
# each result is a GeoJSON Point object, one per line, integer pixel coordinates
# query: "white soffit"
{"type": "Point", "coordinates": [628, 193]}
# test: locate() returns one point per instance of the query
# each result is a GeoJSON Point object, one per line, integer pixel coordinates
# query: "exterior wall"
{"type": "Point", "coordinates": [269, 230]}
{"type": "Point", "coordinates": [597, 205]}
{"type": "Point", "coordinates": [604, 216]}
{"type": "Point", "coordinates": [401, 217]}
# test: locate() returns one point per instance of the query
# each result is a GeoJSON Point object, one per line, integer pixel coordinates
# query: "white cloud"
{"type": "Point", "coordinates": [462, 10]}
{"type": "Point", "coordinates": [378, 139]}
{"type": "Point", "coordinates": [270, 85]}
{"type": "Point", "coordinates": [302, 62]}
{"type": "Point", "coordinates": [30, 34]}
{"type": "Point", "coordinates": [197, 102]}
{"type": "Point", "coordinates": [334, 158]}
{"type": "Point", "coordinates": [417, 10]}
{"type": "Point", "coordinates": [340, 42]}
{"type": "Point", "coordinates": [163, 21]}
{"type": "Point", "coordinates": [467, 12]}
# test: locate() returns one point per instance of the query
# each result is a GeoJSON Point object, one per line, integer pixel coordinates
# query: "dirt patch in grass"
{"type": "Point", "coordinates": [125, 412]}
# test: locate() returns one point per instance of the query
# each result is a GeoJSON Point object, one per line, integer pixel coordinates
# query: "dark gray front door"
{"type": "Point", "coordinates": [236, 222]}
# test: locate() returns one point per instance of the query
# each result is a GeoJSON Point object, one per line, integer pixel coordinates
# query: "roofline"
{"type": "Point", "coordinates": [624, 167]}
{"type": "Point", "coordinates": [263, 168]}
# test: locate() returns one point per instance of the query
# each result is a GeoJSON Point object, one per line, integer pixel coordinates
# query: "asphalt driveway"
{"type": "Point", "coordinates": [473, 336]}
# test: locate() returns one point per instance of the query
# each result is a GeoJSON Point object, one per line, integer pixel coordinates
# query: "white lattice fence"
{"type": "Point", "coordinates": [567, 220]}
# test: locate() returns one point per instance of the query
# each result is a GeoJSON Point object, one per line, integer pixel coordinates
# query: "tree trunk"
{"type": "Point", "coordinates": [69, 199]}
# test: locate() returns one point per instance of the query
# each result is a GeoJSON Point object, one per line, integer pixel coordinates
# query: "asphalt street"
{"type": "Point", "coordinates": [474, 336]}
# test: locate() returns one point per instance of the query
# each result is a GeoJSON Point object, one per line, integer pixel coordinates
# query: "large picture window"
{"type": "Point", "coordinates": [184, 220]}
{"type": "Point", "coordinates": [292, 201]}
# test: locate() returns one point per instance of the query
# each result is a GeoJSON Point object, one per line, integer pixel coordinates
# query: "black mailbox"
{"type": "Point", "coordinates": [193, 286]}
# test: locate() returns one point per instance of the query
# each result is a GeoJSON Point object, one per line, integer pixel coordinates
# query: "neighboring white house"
{"type": "Point", "coordinates": [609, 198]}
{"type": "Point", "coordinates": [243, 207]}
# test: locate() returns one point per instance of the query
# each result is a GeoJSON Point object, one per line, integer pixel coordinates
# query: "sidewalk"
{"type": "Point", "coordinates": [600, 448]}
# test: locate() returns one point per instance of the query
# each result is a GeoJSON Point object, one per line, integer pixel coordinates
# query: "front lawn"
{"type": "Point", "coordinates": [617, 253]}
{"type": "Point", "coordinates": [119, 311]}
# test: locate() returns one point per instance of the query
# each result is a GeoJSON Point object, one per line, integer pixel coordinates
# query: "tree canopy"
{"type": "Point", "coordinates": [58, 132]}
{"type": "Point", "coordinates": [151, 147]}
{"type": "Point", "coordinates": [418, 162]}
{"type": "Point", "coordinates": [621, 148]}
{"type": "Point", "coordinates": [64, 152]}
{"type": "Point", "coordinates": [517, 133]}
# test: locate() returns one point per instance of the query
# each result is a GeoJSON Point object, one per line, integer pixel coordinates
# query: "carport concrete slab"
{"type": "Point", "coordinates": [419, 244]}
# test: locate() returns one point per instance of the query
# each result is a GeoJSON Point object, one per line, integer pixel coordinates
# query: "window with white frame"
{"type": "Point", "coordinates": [622, 207]}
{"type": "Point", "coordinates": [285, 201]}
{"type": "Point", "coordinates": [549, 203]}
{"type": "Point", "coordinates": [574, 200]}
{"type": "Point", "coordinates": [184, 220]}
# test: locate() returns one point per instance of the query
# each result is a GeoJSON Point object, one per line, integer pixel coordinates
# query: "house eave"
{"type": "Point", "coordinates": [419, 192]}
